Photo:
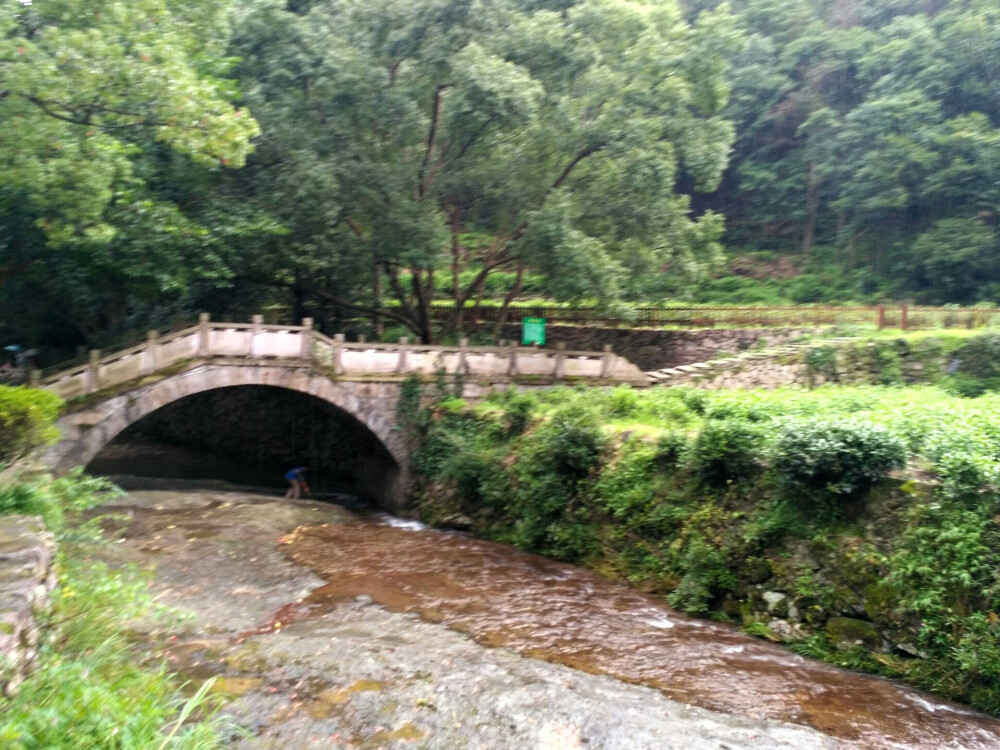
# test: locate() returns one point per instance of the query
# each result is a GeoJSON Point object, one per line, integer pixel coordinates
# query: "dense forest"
{"type": "Point", "coordinates": [345, 158]}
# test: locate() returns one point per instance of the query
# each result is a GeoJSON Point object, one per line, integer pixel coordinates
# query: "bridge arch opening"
{"type": "Point", "coordinates": [252, 435]}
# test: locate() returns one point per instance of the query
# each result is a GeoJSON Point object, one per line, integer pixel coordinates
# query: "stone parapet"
{"type": "Point", "coordinates": [27, 578]}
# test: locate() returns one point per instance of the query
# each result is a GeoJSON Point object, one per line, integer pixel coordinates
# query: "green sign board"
{"type": "Point", "coordinates": [532, 331]}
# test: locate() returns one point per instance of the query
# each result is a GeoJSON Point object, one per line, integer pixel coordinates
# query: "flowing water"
{"type": "Point", "coordinates": [263, 572]}
{"type": "Point", "coordinates": [564, 614]}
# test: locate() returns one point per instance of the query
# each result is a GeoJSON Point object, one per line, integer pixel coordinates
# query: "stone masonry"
{"type": "Point", "coordinates": [27, 578]}
{"type": "Point", "coordinates": [652, 349]}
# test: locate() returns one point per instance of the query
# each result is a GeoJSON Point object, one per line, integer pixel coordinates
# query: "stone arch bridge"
{"type": "Point", "coordinates": [359, 381]}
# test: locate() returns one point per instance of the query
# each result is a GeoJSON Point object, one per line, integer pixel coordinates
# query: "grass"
{"type": "Point", "coordinates": [93, 688]}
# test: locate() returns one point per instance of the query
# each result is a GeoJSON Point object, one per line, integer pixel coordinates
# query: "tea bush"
{"type": "Point", "coordinates": [725, 451]}
{"type": "Point", "coordinates": [840, 456]}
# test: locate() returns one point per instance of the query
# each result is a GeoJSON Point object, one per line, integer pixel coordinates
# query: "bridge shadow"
{"type": "Point", "coordinates": [250, 435]}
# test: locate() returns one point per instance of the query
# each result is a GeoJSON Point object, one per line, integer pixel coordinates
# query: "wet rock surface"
{"type": "Point", "coordinates": [362, 655]}
{"type": "Point", "coordinates": [359, 676]}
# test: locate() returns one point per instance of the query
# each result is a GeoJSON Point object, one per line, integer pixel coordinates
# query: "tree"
{"type": "Point", "coordinates": [558, 136]}
{"type": "Point", "coordinates": [862, 125]}
{"type": "Point", "coordinates": [111, 114]}
{"type": "Point", "coordinates": [86, 87]}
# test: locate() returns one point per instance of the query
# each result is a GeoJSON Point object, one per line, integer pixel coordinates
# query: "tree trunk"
{"type": "Point", "coordinates": [812, 209]}
{"type": "Point", "coordinates": [505, 310]}
{"type": "Point", "coordinates": [377, 292]}
{"type": "Point", "coordinates": [456, 267]}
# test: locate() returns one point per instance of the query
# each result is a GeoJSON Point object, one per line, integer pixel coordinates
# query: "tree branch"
{"type": "Point", "coordinates": [392, 269]}
{"type": "Point", "coordinates": [582, 154]}
{"type": "Point", "coordinates": [432, 135]}
{"type": "Point", "coordinates": [475, 137]}
{"type": "Point", "coordinates": [330, 298]}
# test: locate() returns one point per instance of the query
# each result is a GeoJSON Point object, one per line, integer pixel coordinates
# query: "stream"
{"type": "Point", "coordinates": [334, 628]}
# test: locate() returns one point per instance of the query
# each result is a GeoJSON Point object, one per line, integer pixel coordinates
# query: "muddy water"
{"type": "Point", "coordinates": [562, 614]}
{"type": "Point", "coordinates": [331, 630]}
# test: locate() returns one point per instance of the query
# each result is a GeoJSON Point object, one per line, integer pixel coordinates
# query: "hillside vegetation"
{"type": "Point", "coordinates": [450, 151]}
{"type": "Point", "coordinates": [857, 524]}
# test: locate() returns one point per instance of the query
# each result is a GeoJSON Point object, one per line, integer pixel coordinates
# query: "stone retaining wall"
{"type": "Point", "coordinates": [652, 349]}
{"type": "Point", "coordinates": [842, 360]}
{"type": "Point", "coordinates": [27, 578]}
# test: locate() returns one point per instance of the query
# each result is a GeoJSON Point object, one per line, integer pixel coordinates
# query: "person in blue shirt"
{"type": "Point", "coordinates": [297, 478]}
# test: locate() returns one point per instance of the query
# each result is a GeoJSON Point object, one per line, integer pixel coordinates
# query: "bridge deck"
{"type": "Point", "coordinates": [301, 346]}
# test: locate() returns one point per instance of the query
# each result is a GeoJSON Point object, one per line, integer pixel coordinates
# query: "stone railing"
{"type": "Point", "coordinates": [27, 578]}
{"type": "Point", "coordinates": [256, 342]}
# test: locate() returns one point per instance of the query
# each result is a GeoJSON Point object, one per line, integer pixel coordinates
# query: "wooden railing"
{"type": "Point", "coordinates": [257, 343]}
{"type": "Point", "coordinates": [906, 317]}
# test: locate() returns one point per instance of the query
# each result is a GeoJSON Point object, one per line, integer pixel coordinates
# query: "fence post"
{"type": "Point", "coordinates": [462, 365]}
{"type": "Point", "coordinates": [401, 362]}
{"type": "Point", "coordinates": [307, 340]}
{"type": "Point", "coordinates": [904, 316]}
{"type": "Point", "coordinates": [203, 319]}
{"type": "Point", "coordinates": [560, 369]}
{"type": "Point", "coordinates": [35, 379]}
{"type": "Point", "coordinates": [362, 338]}
{"type": "Point", "coordinates": [881, 317]}
{"type": "Point", "coordinates": [607, 361]}
{"type": "Point", "coordinates": [93, 371]}
{"type": "Point", "coordinates": [149, 354]}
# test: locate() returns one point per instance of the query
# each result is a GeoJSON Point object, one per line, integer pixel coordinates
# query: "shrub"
{"type": "Point", "coordinates": [627, 488]}
{"type": "Point", "coordinates": [26, 421]}
{"type": "Point", "coordinates": [706, 572]}
{"type": "Point", "coordinates": [520, 409]}
{"type": "Point", "coordinates": [670, 448]}
{"type": "Point", "coordinates": [695, 400]}
{"type": "Point", "coordinates": [726, 450]}
{"type": "Point", "coordinates": [624, 402]}
{"type": "Point", "coordinates": [50, 498]}
{"type": "Point", "coordinates": [573, 441]}
{"type": "Point", "coordinates": [842, 456]}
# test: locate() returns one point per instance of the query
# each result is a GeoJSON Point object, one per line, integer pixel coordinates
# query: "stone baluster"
{"type": "Point", "coordinates": [307, 340]}
{"type": "Point", "coordinates": [403, 347]}
{"type": "Point", "coordinates": [462, 361]}
{"type": "Point", "coordinates": [560, 368]}
{"type": "Point", "coordinates": [93, 378]}
{"type": "Point", "coordinates": [607, 362]}
{"type": "Point", "coordinates": [338, 354]}
{"type": "Point", "coordinates": [512, 360]}
{"type": "Point", "coordinates": [149, 363]}
{"type": "Point", "coordinates": [362, 338]}
{"type": "Point", "coordinates": [258, 321]}
{"type": "Point", "coordinates": [203, 319]}
{"type": "Point", "coordinates": [35, 379]}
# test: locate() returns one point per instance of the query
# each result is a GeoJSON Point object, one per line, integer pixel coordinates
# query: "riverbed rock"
{"type": "Point", "coordinates": [846, 632]}
{"type": "Point", "coordinates": [458, 521]}
{"type": "Point", "coordinates": [777, 603]}
{"type": "Point", "coordinates": [785, 630]}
